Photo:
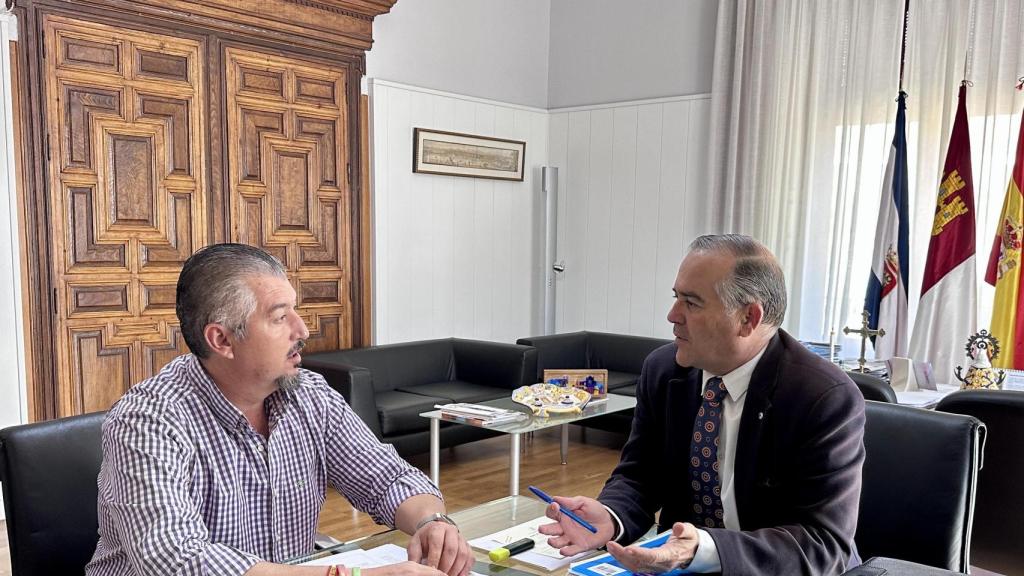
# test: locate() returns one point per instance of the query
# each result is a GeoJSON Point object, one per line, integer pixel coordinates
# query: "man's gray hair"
{"type": "Point", "coordinates": [213, 288]}
{"type": "Point", "coordinates": [756, 277]}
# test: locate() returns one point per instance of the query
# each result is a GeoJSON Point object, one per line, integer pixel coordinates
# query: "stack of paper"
{"type": "Point", "coordinates": [373, 558]}
{"type": "Point", "coordinates": [478, 414]}
{"type": "Point", "coordinates": [541, 555]}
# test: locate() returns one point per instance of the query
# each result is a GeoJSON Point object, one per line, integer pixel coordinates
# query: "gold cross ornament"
{"type": "Point", "coordinates": [865, 333]}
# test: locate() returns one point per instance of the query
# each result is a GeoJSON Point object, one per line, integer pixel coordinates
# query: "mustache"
{"type": "Point", "coordinates": [298, 346]}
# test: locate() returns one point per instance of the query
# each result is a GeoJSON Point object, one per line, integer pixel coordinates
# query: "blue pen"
{"type": "Point", "coordinates": [540, 494]}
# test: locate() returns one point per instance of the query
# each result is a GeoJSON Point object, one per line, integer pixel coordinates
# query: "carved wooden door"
{"type": "Point", "coordinates": [290, 178]}
{"type": "Point", "coordinates": [127, 201]}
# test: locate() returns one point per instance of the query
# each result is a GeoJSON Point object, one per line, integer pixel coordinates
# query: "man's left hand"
{"type": "Point", "coordinates": [440, 545]}
{"type": "Point", "coordinates": [676, 552]}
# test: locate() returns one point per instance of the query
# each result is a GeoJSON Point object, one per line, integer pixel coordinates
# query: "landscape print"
{"type": "Point", "coordinates": [455, 154]}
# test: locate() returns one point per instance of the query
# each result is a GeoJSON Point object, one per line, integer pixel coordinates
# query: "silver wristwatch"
{"type": "Point", "coordinates": [435, 517]}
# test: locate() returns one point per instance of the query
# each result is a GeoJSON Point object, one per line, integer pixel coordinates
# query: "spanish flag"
{"type": "Point", "coordinates": [1004, 270]}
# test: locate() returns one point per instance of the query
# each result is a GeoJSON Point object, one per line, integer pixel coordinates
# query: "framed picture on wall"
{"type": "Point", "coordinates": [455, 154]}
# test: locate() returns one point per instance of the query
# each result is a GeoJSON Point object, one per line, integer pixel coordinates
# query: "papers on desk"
{"type": "Point", "coordinates": [605, 565]}
{"type": "Point", "coordinates": [925, 398]}
{"type": "Point", "coordinates": [478, 414]}
{"type": "Point", "coordinates": [541, 555]}
{"type": "Point", "coordinates": [372, 558]}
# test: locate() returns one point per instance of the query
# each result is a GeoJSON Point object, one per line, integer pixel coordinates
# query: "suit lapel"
{"type": "Point", "coordinates": [686, 382]}
{"type": "Point", "coordinates": [756, 412]}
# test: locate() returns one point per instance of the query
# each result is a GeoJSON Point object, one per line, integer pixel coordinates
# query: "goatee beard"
{"type": "Point", "coordinates": [287, 383]}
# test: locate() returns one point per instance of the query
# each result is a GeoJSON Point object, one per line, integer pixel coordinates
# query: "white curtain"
{"type": "Point", "coordinates": [803, 105]}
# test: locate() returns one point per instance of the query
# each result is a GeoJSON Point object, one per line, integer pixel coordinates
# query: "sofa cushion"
{"type": "Point", "coordinates": [458, 391]}
{"type": "Point", "coordinates": [618, 380]}
{"type": "Point", "coordinates": [399, 412]}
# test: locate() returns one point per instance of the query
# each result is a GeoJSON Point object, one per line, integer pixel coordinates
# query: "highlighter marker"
{"type": "Point", "coordinates": [499, 554]}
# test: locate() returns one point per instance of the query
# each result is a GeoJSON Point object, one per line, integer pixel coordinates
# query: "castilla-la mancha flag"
{"type": "Point", "coordinates": [886, 300]}
{"type": "Point", "coordinates": [947, 313]}
{"type": "Point", "coordinates": [1004, 270]}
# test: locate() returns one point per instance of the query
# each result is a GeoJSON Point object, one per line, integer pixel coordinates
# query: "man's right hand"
{"type": "Point", "coordinates": [402, 569]}
{"type": "Point", "coordinates": [567, 535]}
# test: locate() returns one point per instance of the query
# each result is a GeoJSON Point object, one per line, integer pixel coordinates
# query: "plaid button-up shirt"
{"type": "Point", "coordinates": [187, 486]}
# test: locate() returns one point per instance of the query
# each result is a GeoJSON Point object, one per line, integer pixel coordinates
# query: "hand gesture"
{"type": "Point", "coordinates": [569, 537]}
{"type": "Point", "coordinates": [402, 569]}
{"type": "Point", "coordinates": [676, 552]}
{"type": "Point", "coordinates": [440, 545]}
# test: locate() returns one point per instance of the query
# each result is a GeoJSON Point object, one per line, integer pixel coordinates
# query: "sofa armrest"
{"type": "Point", "coordinates": [495, 364]}
{"type": "Point", "coordinates": [558, 351]}
{"type": "Point", "coordinates": [355, 384]}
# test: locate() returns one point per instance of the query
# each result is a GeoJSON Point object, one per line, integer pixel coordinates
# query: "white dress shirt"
{"type": "Point", "coordinates": [736, 383]}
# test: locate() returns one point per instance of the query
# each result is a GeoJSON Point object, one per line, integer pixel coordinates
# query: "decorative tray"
{"type": "Point", "coordinates": [548, 399]}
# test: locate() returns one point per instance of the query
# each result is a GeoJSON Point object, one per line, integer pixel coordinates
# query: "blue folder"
{"type": "Point", "coordinates": [606, 565]}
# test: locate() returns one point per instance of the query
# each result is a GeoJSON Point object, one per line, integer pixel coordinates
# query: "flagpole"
{"type": "Point", "coordinates": [969, 52]}
{"type": "Point", "coordinates": [903, 47]}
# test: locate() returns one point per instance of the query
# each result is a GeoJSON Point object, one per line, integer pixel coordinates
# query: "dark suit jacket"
{"type": "Point", "coordinates": [797, 468]}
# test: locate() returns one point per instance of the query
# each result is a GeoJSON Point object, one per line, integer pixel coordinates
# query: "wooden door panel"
{"type": "Point", "coordinates": [287, 132]}
{"type": "Point", "coordinates": [127, 201]}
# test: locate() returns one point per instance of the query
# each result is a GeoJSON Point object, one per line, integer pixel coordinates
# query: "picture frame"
{"type": "Point", "coordinates": [594, 381]}
{"type": "Point", "coordinates": [457, 154]}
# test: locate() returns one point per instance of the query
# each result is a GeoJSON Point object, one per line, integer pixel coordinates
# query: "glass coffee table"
{"type": "Point", "coordinates": [532, 423]}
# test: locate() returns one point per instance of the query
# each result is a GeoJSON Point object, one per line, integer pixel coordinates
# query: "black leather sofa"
{"type": "Point", "coordinates": [622, 355]}
{"type": "Point", "coordinates": [389, 386]}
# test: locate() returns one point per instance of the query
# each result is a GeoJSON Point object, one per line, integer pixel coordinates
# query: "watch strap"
{"type": "Point", "coordinates": [435, 517]}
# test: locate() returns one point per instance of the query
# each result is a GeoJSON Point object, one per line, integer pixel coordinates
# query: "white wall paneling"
{"type": "Point", "coordinates": [454, 256]}
{"type": "Point", "coordinates": [633, 191]}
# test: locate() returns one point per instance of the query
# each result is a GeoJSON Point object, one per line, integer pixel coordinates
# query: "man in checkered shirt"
{"type": "Point", "coordinates": [220, 463]}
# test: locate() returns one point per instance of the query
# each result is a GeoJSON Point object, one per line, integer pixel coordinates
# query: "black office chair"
{"type": "Point", "coordinates": [48, 474]}
{"type": "Point", "coordinates": [920, 477]}
{"type": "Point", "coordinates": [996, 544]}
{"type": "Point", "coordinates": [873, 387]}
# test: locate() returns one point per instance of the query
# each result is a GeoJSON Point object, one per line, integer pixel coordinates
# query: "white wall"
{"type": "Point", "coordinates": [13, 408]}
{"type": "Point", "coordinates": [496, 49]}
{"type": "Point", "coordinates": [632, 195]}
{"type": "Point", "coordinates": [613, 51]}
{"type": "Point", "coordinates": [454, 256]}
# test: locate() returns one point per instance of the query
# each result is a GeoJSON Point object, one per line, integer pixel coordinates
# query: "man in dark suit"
{"type": "Point", "coordinates": [750, 445]}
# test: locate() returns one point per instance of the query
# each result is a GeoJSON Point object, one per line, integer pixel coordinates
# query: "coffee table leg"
{"type": "Point", "coordinates": [565, 444]}
{"type": "Point", "coordinates": [513, 473]}
{"type": "Point", "coordinates": [435, 451]}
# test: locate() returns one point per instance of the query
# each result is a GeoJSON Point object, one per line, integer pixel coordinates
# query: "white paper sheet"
{"type": "Point", "coordinates": [925, 398]}
{"type": "Point", "coordinates": [541, 555]}
{"type": "Point", "coordinates": [372, 558]}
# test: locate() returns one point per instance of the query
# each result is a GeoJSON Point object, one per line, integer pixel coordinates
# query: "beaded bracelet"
{"type": "Point", "coordinates": [339, 570]}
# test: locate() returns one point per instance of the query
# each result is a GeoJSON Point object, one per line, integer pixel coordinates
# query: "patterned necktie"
{"type": "Point", "coordinates": [704, 478]}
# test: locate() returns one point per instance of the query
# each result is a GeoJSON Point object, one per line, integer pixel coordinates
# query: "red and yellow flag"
{"type": "Point", "coordinates": [1004, 269]}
